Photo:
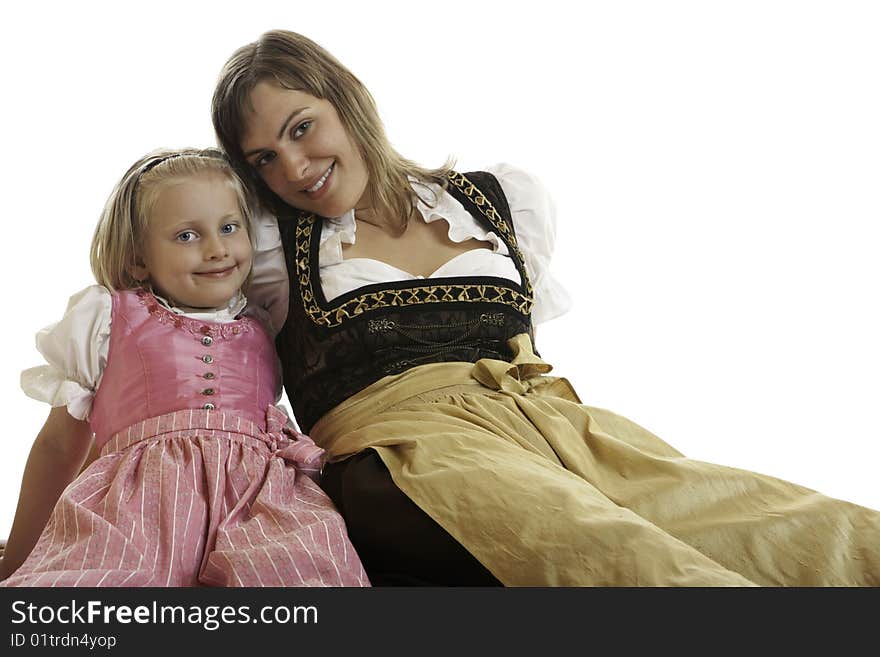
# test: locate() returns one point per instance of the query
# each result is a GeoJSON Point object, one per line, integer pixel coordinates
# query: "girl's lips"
{"type": "Point", "coordinates": [217, 273]}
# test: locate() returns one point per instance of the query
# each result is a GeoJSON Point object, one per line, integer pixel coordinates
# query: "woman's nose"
{"type": "Point", "coordinates": [295, 164]}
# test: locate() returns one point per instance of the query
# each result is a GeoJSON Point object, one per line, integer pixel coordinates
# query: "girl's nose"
{"type": "Point", "coordinates": [214, 248]}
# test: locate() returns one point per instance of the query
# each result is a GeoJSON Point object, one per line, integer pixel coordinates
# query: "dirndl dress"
{"type": "Point", "coordinates": [202, 480]}
{"type": "Point", "coordinates": [546, 491]}
{"type": "Point", "coordinates": [440, 378]}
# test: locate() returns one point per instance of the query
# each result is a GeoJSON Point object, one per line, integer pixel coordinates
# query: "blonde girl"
{"type": "Point", "coordinates": [200, 479]}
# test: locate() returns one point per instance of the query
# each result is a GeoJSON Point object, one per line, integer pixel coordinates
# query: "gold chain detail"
{"type": "Point", "coordinates": [417, 294]}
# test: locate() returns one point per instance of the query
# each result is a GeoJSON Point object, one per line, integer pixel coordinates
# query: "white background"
{"type": "Point", "coordinates": [715, 167]}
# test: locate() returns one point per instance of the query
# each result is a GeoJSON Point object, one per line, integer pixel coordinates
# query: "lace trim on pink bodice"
{"type": "Point", "coordinates": [193, 326]}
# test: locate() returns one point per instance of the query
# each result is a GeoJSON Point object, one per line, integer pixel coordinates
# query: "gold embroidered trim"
{"type": "Point", "coordinates": [416, 293]}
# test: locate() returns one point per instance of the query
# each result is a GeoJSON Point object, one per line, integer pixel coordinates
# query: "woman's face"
{"type": "Point", "coordinates": [301, 150]}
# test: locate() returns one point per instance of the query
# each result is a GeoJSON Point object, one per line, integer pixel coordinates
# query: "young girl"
{"type": "Point", "coordinates": [201, 479]}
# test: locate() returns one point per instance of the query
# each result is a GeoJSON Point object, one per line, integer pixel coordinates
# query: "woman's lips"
{"type": "Point", "coordinates": [319, 188]}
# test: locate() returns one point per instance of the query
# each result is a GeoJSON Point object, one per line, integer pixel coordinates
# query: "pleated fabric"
{"type": "Point", "coordinates": [546, 491]}
{"type": "Point", "coordinates": [193, 498]}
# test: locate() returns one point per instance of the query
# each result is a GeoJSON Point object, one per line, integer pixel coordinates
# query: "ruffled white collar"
{"type": "Point", "coordinates": [432, 202]}
{"type": "Point", "coordinates": [226, 314]}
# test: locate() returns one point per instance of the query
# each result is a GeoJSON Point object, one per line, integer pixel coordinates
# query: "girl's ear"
{"type": "Point", "coordinates": [138, 270]}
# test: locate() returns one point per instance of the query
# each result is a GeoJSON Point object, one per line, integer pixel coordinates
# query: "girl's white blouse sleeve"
{"type": "Point", "coordinates": [75, 349]}
{"type": "Point", "coordinates": [534, 220]}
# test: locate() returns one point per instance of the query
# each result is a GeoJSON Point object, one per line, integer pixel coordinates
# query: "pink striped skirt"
{"type": "Point", "coordinates": [197, 498]}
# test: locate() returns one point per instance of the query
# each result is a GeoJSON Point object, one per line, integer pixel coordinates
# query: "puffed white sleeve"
{"type": "Point", "coordinates": [75, 350]}
{"type": "Point", "coordinates": [534, 220]}
{"type": "Point", "coordinates": [269, 283]}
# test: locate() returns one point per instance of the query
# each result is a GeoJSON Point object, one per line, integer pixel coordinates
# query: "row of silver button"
{"type": "Point", "coordinates": [208, 359]}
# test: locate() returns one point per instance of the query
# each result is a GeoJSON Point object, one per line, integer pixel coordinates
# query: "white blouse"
{"type": "Point", "coordinates": [76, 348]}
{"type": "Point", "coordinates": [534, 219]}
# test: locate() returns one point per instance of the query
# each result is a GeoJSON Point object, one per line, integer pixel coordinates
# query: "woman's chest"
{"type": "Point", "coordinates": [420, 250]}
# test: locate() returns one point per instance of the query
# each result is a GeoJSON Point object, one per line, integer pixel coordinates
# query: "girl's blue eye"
{"type": "Point", "coordinates": [186, 236]}
{"type": "Point", "coordinates": [228, 229]}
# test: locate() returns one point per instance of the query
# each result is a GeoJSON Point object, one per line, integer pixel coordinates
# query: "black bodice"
{"type": "Point", "coordinates": [332, 350]}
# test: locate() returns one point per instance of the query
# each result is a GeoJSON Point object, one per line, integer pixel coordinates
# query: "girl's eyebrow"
{"type": "Point", "coordinates": [183, 225]}
{"type": "Point", "coordinates": [196, 224]}
{"type": "Point", "coordinates": [283, 129]}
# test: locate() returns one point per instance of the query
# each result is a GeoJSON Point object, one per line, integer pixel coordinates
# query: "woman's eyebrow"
{"type": "Point", "coordinates": [287, 121]}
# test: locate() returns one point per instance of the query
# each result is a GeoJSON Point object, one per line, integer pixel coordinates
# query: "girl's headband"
{"type": "Point", "coordinates": [159, 160]}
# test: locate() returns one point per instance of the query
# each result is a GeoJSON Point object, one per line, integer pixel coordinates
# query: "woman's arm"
{"type": "Point", "coordinates": [54, 461]}
{"type": "Point", "coordinates": [269, 282]}
{"type": "Point", "coordinates": [534, 219]}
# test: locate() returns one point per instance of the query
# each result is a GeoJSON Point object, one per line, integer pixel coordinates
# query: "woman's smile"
{"type": "Point", "coordinates": [320, 188]}
{"type": "Point", "coordinates": [298, 145]}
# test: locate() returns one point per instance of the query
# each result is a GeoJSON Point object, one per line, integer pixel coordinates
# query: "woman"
{"type": "Point", "coordinates": [407, 349]}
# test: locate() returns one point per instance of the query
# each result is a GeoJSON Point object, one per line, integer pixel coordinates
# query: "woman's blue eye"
{"type": "Point", "coordinates": [186, 236]}
{"type": "Point", "coordinates": [295, 133]}
{"type": "Point", "coordinates": [301, 129]}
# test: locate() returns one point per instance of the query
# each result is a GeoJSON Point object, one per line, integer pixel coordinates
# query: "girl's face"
{"type": "Point", "coordinates": [303, 153]}
{"type": "Point", "coordinates": [196, 252]}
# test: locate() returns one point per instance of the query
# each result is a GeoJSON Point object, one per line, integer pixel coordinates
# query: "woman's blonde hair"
{"type": "Point", "coordinates": [125, 219]}
{"type": "Point", "coordinates": [293, 61]}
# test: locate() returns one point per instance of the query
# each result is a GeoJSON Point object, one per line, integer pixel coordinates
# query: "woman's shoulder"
{"type": "Point", "coordinates": [511, 175]}
{"type": "Point", "coordinates": [524, 190]}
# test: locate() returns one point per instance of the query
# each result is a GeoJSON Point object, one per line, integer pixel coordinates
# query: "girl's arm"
{"type": "Point", "coordinates": [54, 461]}
{"type": "Point", "coordinates": [93, 455]}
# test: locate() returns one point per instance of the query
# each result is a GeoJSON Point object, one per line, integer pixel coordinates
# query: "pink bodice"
{"type": "Point", "coordinates": [161, 362]}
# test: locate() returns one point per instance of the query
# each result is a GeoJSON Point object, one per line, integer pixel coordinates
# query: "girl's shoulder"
{"type": "Point", "coordinates": [97, 304]}
{"type": "Point", "coordinates": [84, 323]}
{"type": "Point", "coordinates": [75, 352]}
{"type": "Point", "coordinates": [90, 302]}
{"type": "Point", "coordinates": [97, 300]}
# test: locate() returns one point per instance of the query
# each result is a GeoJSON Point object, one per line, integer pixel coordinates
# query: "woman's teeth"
{"type": "Point", "coordinates": [318, 185]}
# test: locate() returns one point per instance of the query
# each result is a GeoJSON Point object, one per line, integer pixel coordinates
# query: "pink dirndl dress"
{"type": "Point", "coordinates": [212, 488]}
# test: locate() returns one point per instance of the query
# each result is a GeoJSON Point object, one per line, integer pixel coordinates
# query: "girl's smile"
{"type": "Point", "coordinates": [217, 273]}
{"type": "Point", "coordinates": [196, 251]}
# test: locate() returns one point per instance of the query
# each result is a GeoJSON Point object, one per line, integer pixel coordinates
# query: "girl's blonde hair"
{"type": "Point", "coordinates": [293, 61]}
{"type": "Point", "coordinates": [125, 219]}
